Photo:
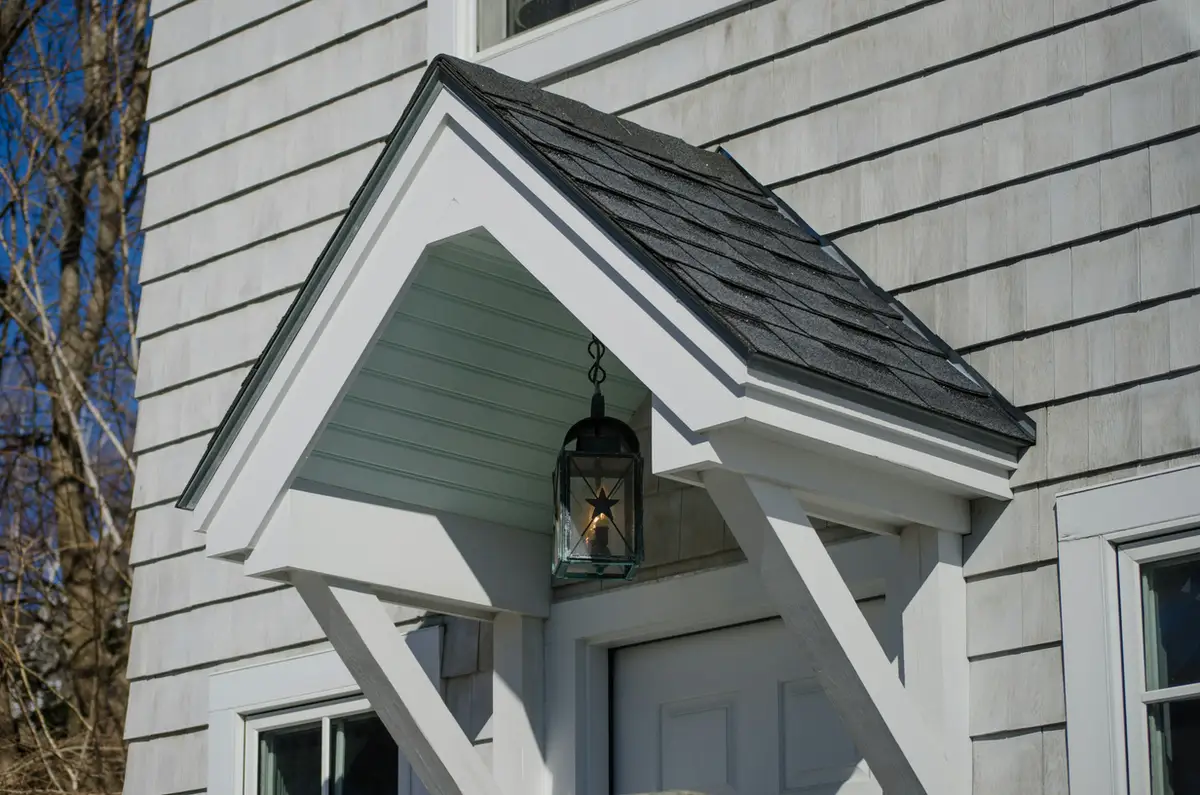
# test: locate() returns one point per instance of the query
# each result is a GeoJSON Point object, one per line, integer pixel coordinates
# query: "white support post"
{"type": "Point", "coordinates": [780, 542]}
{"type": "Point", "coordinates": [393, 681]}
{"type": "Point", "coordinates": [518, 677]}
{"type": "Point", "coordinates": [928, 597]}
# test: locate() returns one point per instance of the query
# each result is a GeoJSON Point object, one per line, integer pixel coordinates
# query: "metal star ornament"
{"type": "Point", "coordinates": [602, 505]}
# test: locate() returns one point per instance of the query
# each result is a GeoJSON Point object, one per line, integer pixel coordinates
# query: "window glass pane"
{"type": "Point", "coordinates": [1174, 744]}
{"type": "Point", "coordinates": [1171, 615]}
{"type": "Point", "coordinates": [365, 758]}
{"type": "Point", "coordinates": [289, 761]}
{"type": "Point", "coordinates": [499, 19]}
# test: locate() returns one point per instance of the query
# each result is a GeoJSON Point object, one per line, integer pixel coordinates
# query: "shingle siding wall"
{"type": "Point", "coordinates": [265, 119]}
{"type": "Point", "coordinates": [1025, 174]}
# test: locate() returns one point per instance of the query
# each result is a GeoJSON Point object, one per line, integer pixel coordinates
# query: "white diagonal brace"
{"type": "Point", "coordinates": [401, 694]}
{"type": "Point", "coordinates": [814, 602]}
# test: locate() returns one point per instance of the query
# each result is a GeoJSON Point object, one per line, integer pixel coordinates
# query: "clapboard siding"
{"type": "Point", "coordinates": [192, 352]}
{"type": "Point", "coordinates": [167, 765]}
{"type": "Point", "coordinates": [1045, 225]}
{"type": "Point", "coordinates": [314, 195]}
{"type": "Point", "coordinates": [1031, 761]}
{"type": "Point", "coordinates": [163, 532]}
{"type": "Point", "coordinates": [277, 40]}
{"type": "Point", "coordinates": [278, 151]}
{"type": "Point", "coordinates": [1036, 296]}
{"type": "Point", "coordinates": [185, 412]}
{"type": "Point", "coordinates": [235, 629]}
{"type": "Point", "coordinates": [924, 76]}
{"type": "Point", "coordinates": [1014, 148]}
{"type": "Point", "coordinates": [163, 472]}
{"type": "Point", "coordinates": [1017, 691]}
{"type": "Point", "coordinates": [187, 581]}
{"type": "Point", "coordinates": [394, 51]}
{"type": "Point", "coordinates": [248, 275]}
{"type": "Point", "coordinates": [197, 24]}
{"type": "Point", "coordinates": [763, 33]}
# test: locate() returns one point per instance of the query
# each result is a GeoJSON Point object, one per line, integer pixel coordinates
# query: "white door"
{"type": "Point", "coordinates": [735, 711]}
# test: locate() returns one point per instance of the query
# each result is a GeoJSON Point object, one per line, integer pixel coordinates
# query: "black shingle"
{"type": "Point", "coordinates": [762, 279]}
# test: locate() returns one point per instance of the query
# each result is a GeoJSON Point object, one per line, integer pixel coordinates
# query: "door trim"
{"type": "Point", "coordinates": [581, 632]}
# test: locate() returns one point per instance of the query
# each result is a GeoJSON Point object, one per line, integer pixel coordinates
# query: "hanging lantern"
{"type": "Point", "coordinates": [598, 493]}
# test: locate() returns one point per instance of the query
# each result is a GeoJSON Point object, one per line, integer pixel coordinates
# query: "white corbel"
{"type": "Point", "coordinates": [812, 598]}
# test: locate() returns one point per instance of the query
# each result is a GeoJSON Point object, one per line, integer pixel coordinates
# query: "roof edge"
{"type": "Point", "coordinates": [1023, 420]}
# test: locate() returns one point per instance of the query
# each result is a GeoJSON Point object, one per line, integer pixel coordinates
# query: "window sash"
{"type": "Point", "coordinates": [324, 714]}
{"type": "Point", "coordinates": [1142, 763]}
{"type": "Point", "coordinates": [491, 18]}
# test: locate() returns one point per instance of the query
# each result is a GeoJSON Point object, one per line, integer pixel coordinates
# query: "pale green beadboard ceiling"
{"type": "Point", "coordinates": [462, 404]}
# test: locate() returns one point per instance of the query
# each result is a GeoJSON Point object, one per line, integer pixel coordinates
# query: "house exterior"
{"type": "Point", "coordinates": [938, 539]}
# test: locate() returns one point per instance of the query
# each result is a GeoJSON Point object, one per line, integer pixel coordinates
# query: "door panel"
{"type": "Point", "coordinates": [736, 711]}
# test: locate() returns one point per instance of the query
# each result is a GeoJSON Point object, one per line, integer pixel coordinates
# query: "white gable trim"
{"type": "Point", "coordinates": [455, 175]}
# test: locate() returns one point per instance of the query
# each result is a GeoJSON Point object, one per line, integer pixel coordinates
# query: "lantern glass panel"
{"type": "Point", "coordinates": [598, 515]}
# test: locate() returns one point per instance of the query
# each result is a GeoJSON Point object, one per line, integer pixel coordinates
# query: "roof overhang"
{"type": "Point", "coordinates": [448, 172]}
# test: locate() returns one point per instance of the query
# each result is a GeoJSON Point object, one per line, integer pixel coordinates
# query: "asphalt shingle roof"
{"type": "Point", "coordinates": [743, 260]}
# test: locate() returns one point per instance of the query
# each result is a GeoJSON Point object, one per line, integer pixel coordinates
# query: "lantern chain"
{"type": "Point", "coordinates": [596, 373]}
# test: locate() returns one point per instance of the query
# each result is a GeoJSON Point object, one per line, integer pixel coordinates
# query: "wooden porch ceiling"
{"type": "Point", "coordinates": [462, 403]}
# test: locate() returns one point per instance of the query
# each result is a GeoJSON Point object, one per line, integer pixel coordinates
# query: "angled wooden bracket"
{"type": "Point", "coordinates": [780, 542]}
{"type": "Point", "coordinates": [406, 701]}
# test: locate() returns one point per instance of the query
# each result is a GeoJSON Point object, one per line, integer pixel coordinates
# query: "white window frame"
{"type": "Point", "coordinates": [1105, 533]}
{"type": "Point", "coordinates": [1130, 559]}
{"type": "Point", "coordinates": [277, 693]}
{"type": "Point", "coordinates": [570, 41]}
{"type": "Point", "coordinates": [322, 715]}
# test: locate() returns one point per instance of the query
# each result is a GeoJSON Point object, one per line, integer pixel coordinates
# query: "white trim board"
{"type": "Point", "coordinates": [436, 561]}
{"type": "Point", "coordinates": [580, 633]}
{"type": "Point", "coordinates": [565, 43]}
{"type": "Point", "coordinates": [238, 694]}
{"type": "Point", "coordinates": [1091, 522]}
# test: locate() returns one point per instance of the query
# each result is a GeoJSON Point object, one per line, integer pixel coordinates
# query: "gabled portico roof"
{"type": "Point", "coordinates": [784, 298]}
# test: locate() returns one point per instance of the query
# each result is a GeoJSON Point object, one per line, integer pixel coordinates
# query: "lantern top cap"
{"type": "Point", "coordinates": [601, 434]}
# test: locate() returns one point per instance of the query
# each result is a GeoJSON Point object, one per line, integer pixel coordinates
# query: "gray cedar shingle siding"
{"type": "Point", "coordinates": [870, 120]}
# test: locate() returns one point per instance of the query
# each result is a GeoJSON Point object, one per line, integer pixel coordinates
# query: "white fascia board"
{"type": "Point", "coordinates": [807, 423]}
{"type": "Point", "coordinates": [834, 485]}
{"type": "Point", "coordinates": [961, 466]}
{"type": "Point", "coordinates": [443, 562]}
{"type": "Point", "coordinates": [454, 175]}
